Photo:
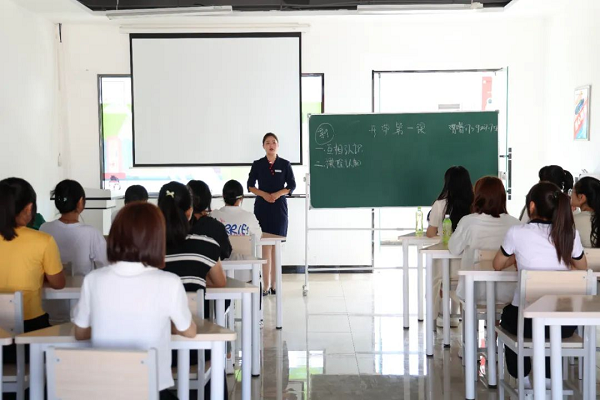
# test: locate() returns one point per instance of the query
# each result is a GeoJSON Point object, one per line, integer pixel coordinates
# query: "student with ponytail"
{"type": "Point", "coordinates": [28, 257]}
{"type": "Point", "coordinates": [549, 242]}
{"type": "Point", "coordinates": [554, 174]}
{"type": "Point", "coordinates": [586, 196]}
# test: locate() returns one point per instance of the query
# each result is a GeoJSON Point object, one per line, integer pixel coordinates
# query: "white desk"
{"type": "Point", "coordinates": [470, 321]}
{"type": "Point", "coordinates": [419, 241]}
{"type": "Point", "coordinates": [268, 239]}
{"type": "Point", "coordinates": [210, 336]}
{"type": "Point", "coordinates": [254, 264]}
{"type": "Point", "coordinates": [71, 291]}
{"type": "Point", "coordinates": [238, 290]}
{"type": "Point", "coordinates": [6, 339]}
{"type": "Point", "coordinates": [437, 252]}
{"type": "Point", "coordinates": [556, 311]}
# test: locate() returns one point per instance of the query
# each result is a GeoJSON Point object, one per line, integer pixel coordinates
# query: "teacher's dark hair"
{"type": "Point", "coordinates": [138, 235]}
{"type": "Point", "coordinates": [174, 200]}
{"type": "Point", "coordinates": [458, 192]}
{"type": "Point", "coordinates": [553, 205]}
{"type": "Point", "coordinates": [67, 194]}
{"type": "Point", "coordinates": [232, 192]}
{"type": "Point", "coordinates": [15, 195]}
{"type": "Point", "coordinates": [268, 135]}
{"type": "Point", "coordinates": [202, 197]}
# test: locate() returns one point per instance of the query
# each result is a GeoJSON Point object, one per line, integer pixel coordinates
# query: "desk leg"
{"type": "Point", "coordinates": [470, 339]}
{"type": "Point", "coordinates": [183, 374]}
{"type": "Point", "coordinates": [592, 362]}
{"type": "Point", "coordinates": [279, 294]}
{"type": "Point", "coordinates": [1, 373]}
{"type": "Point", "coordinates": [429, 306]}
{"type": "Point", "coordinates": [490, 342]}
{"type": "Point", "coordinates": [36, 371]}
{"type": "Point", "coordinates": [256, 322]}
{"type": "Point", "coordinates": [556, 362]}
{"type": "Point", "coordinates": [246, 346]}
{"type": "Point", "coordinates": [420, 282]}
{"type": "Point", "coordinates": [220, 317]}
{"type": "Point", "coordinates": [446, 301]}
{"type": "Point", "coordinates": [405, 290]}
{"type": "Point", "coordinates": [231, 325]}
{"type": "Point", "coordinates": [217, 371]}
{"type": "Point", "coordinates": [539, 364]}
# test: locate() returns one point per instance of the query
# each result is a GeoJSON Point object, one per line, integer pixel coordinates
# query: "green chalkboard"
{"type": "Point", "coordinates": [393, 160]}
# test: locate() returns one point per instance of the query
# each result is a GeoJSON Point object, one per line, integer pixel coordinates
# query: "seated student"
{"type": "Point", "coordinates": [555, 174]}
{"type": "Point", "coordinates": [455, 199]}
{"type": "Point", "coordinates": [36, 222]}
{"type": "Point", "coordinates": [131, 303]}
{"type": "Point", "coordinates": [133, 193]}
{"type": "Point", "coordinates": [201, 223]}
{"type": "Point", "coordinates": [28, 257]}
{"type": "Point", "coordinates": [586, 196]}
{"type": "Point", "coordinates": [80, 245]}
{"type": "Point", "coordinates": [549, 242]}
{"type": "Point", "coordinates": [484, 229]}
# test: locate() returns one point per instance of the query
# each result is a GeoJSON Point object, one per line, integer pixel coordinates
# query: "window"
{"type": "Point", "coordinates": [117, 172]}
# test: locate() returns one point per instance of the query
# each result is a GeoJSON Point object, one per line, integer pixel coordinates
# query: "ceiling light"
{"type": "Point", "coordinates": [170, 12]}
{"type": "Point", "coordinates": [416, 9]}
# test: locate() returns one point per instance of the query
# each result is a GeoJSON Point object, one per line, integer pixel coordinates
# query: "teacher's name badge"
{"type": "Point", "coordinates": [278, 170]}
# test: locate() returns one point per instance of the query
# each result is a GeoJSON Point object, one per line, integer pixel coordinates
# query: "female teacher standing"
{"type": "Point", "coordinates": [275, 180]}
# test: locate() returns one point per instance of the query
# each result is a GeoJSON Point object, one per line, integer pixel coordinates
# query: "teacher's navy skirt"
{"type": "Point", "coordinates": [272, 217]}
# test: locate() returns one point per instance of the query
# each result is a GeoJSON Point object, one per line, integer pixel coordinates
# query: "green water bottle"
{"type": "Point", "coordinates": [419, 223]}
{"type": "Point", "coordinates": [446, 229]}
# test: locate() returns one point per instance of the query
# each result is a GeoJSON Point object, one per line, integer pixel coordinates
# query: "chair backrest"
{"type": "Point", "coordinates": [68, 268]}
{"type": "Point", "coordinates": [535, 284]}
{"type": "Point", "coordinates": [593, 259]}
{"type": "Point", "coordinates": [241, 245]}
{"type": "Point", "coordinates": [102, 374]}
{"type": "Point", "coordinates": [482, 259]}
{"type": "Point", "coordinates": [11, 312]}
{"type": "Point", "coordinates": [196, 302]}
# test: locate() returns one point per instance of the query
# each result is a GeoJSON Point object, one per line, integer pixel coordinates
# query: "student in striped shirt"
{"type": "Point", "coordinates": [194, 258]}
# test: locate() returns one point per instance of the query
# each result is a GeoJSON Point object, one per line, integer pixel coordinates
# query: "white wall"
{"type": "Point", "coordinates": [29, 116]}
{"type": "Point", "coordinates": [572, 60]}
{"type": "Point", "coordinates": [347, 50]}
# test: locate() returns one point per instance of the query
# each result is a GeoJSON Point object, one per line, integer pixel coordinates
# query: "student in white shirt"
{"type": "Point", "coordinates": [484, 229]}
{"type": "Point", "coordinates": [455, 199]}
{"type": "Point", "coordinates": [132, 303]}
{"type": "Point", "coordinates": [586, 196]}
{"type": "Point", "coordinates": [82, 247]}
{"type": "Point", "coordinates": [557, 175]}
{"type": "Point", "coordinates": [549, 242]}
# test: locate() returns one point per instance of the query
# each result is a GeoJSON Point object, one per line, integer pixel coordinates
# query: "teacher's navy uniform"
{"type": "Point", "coordinates": [273, 217]}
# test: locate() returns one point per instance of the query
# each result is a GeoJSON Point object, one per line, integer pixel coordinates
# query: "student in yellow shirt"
{"type": "Point", "coordinates": [26, 256]}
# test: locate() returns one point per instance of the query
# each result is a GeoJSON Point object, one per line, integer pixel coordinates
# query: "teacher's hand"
{"type": "Point", "coordinates": [268, 197]}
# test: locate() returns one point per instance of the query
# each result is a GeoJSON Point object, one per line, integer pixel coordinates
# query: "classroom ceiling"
{"type": "Point", "coordinates": [266, 5]}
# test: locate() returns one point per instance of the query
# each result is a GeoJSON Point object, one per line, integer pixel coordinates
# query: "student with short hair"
{"type": "Point", "coordinates": [455, 199]}
{"type": "Point", "coordinates": [81, 245]}
{"type": "Point", "coordinates": [28, 257]}
{"type": "Point", "coordinates": [483, 229]}
{"type": "Point", "coordinates": [202, 223]}
{"type": "Point", "coordinates": [136, 193]}
{"type": "Point", "coordinates": [132, 303]}
{"type": "Point", "coordinates": [586, 196]}
{"type": "Point", "coordinates": [549, 242]}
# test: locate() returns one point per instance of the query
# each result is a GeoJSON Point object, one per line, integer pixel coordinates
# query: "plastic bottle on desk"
{"type": "Point", "coordinates": [446, 229]}
{"type": "Point", "coordinates": [419, 223]}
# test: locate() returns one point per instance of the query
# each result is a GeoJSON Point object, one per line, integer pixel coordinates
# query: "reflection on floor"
{"type": "Point", "coordinates": [345, 341]}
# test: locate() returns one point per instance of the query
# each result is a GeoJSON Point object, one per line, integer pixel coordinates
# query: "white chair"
{"type": "Point", "coordinates": [532, 286]}
{"type": "Point", "coordinates": [100, 374]}
{"type": "Point", "coordinates": [593, 259]}
{"type": "Point", "coordinates": [198, 380]}
{"type": "Point", "coordinates": [242, 245]}
{"type": "Point", "coordinates": [15, 379]}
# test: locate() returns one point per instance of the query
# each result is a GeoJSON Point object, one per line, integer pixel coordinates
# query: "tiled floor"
{"type": "Point", "coordinates": [345, 341]}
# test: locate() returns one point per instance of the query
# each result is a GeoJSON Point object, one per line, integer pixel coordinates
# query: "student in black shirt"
{"type": "Point", "coordinates": [201, 223]}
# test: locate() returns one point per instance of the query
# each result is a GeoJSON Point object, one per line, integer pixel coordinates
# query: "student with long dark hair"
{"type": "Point", "coordinates": [28, 257]}
{"type": "Point", "coordinates": [202, 223]}
{"type": "Point", "coordinates": [132, 303]}
{"type": "Point", "coordinates": [586, 196]}
{"type": "Point", "coordinates": [455, 199]}
{"type": "Point", "coordinates": [81, 245]}
{"type": "Point", "coordinates": [557, 175]}
{"type": "Point", "coordinates": [549, 242]}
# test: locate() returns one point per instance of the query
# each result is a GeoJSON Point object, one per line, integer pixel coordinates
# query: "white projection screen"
{"type": "Point", "coordinates": [208, 99]}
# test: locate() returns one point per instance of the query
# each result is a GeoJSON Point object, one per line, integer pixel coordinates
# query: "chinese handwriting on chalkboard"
{"type": "Point", "coordinates": [340, 149]}
{"type": "Point", "coordinates": [462, 128]}
{"type": "Point", "coordinates": [339, 163]}
{"type": "Point", "coordinates": [324, 134]}
{"type": "Point", "coordinates": [400, 129]}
